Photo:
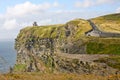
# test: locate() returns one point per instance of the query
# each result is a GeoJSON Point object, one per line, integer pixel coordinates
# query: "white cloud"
{"type": "Point", "coordinates": [21, 15]}
{"type": "Point", "coordinates": [10, 24]}
{"type": "Point", "coordinates": [85, 3]}
{"type": "Point", "coordinates": [25, 13]}
{"type": "Point", "coordinates": [118, 10]}
{"type": "Point", "coordinates": [56, 4]}
{"type": "Point", "coordinates": [26, 8]}
{"type": "Point", "coordinates": [89, 3]}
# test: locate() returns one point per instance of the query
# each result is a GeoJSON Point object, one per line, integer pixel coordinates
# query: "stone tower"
{"type": "Point", "coordinates": [35, 24]}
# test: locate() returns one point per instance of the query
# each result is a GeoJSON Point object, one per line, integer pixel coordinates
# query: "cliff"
{"type": "Point", "coordinates": [65, 48]}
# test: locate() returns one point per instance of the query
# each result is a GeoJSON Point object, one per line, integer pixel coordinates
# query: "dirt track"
{"type": "Point", "coordinates": [83, 57]}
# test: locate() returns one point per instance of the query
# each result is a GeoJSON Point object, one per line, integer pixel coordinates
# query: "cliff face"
{"type": "Point", "coordinates": [40, 42]}
{"type": "Point", "coordinates": [45, 49]}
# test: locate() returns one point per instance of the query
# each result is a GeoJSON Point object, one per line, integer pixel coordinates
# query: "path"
{"type": "Point", "coordinates": [95, 30]}
{"type": "Point", "coordinates": [83, 57]}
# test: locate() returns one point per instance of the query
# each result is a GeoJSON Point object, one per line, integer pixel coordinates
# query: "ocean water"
{"type": "Point", "coordinates": [7, 55]}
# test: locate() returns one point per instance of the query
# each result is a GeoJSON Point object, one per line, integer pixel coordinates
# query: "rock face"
{"type": "Point", "coordinates": [33, 46]}
{"type": "Point", "coordinates": [40, 49]}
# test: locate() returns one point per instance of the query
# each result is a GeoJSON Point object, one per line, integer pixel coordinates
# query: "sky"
{"type": "Point", "coordinates": [17, 14]}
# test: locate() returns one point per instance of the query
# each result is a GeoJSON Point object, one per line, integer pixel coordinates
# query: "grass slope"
{"type": "Point", "coordinates": [59, 76]}
{"type": "Point", "coordinates": [108, 23]}
{"type": "Point", "coordinates": [103, 46]}
{"type": "Point", "coordinates": [113, 61]}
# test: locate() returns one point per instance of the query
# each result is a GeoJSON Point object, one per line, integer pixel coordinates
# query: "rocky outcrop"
{"type": "Point", "coordinates": [83, 67]}
{"type": "Point", "coordinates": [36, 49]}
{"type": "Point", "coordinates": [40, 49]}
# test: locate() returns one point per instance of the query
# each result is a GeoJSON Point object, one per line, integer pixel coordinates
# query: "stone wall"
{"type": "Point", "coordinates": [97, 33]}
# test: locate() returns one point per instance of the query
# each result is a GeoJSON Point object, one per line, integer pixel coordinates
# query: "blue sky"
{"type": "Point", "coordinates": [17, 14]}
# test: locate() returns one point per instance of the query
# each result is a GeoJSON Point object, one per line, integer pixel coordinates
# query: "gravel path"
{"type": "Point", "coordinates": [83, 57]}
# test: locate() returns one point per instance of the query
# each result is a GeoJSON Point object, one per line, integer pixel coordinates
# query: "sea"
{"type": "Point", "coordinates": [7, 56]}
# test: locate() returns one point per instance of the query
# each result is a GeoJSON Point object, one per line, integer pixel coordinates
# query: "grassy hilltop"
{"type": "Point", "coordinates": [108, 23]}
{"type": "Point", "coordinates": [51, 31]}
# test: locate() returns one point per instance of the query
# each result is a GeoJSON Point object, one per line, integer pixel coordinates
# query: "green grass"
{"type": "Point", "coordinates": [74, 22]}
{"type": "Point", "coordinates": [112, 61]}
{"type": "Point", "coordinates": [49, 31]}
{"type": "Point", "coordinates": [20, 67]}
{"type": "Point", "coordinates": [82, 27]}
{"type": "Point", "coordinates": [103, 46]}
{"type": "Point", "coordinates": [100, 48]}
{"type": "Point", "coordinates": [108, 23]}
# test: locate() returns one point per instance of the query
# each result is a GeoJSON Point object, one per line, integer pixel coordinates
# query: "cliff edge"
{"type": "Point", "coordinates": [65, 48]}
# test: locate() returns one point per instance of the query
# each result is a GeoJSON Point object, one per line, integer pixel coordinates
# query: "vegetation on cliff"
{"type": "Point", "coordinates": [47, 46]}
{"type": "Point", "coordinates": [113, 61]}
{"type": "Point", "coordinates": [108, 23]}
{"type": "Point", "coordinates": [103, 46]}
{"type": "Point", "coordinates": [55, 31]}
